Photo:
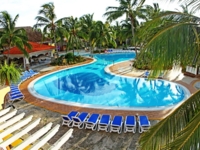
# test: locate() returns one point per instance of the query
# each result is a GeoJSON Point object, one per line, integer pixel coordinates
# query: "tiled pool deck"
{"type": "Point", "coordinates": [64, 109]}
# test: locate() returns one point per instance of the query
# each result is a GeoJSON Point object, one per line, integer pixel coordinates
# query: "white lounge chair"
{"type": "Point", "coordinates": [45, 138]}
{"type": "Point", "coordinates": [144, 123]}
{"type": "Point", "coordinates": [4, 111]}
{"type": "Point", "coordinates": [33, 137]}
{"type": "Point", "coordinates": [8, 116]}
{"type": "Point", "coordinates": [67, 119]}
{"type": "Point", "coordinates": [130, 124]}
{"type": "Point", "coordinates": [20, 133]}
{"type": "Point", "coordinates": [116, 124]}
{"type": "Point", "coordinates": [146, 74]}
{"type": "Point", "coordinates": [91, 122]}
{"type": "Point", "coordinates": [11, 121]}
{"type": "Point", "coordinates": [79, 120]}
{"type": "Point", "coordinates": [104, 123]}
{"type": "Point", "coordinates": [62, 140]}
{"type": "Point", "coordinates": [14, 127]}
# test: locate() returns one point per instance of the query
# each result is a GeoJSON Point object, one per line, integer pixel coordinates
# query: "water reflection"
{"type": "Point", "coordinates": [84, 83]}
{"type": "Point", "coordinates": [91, 85]}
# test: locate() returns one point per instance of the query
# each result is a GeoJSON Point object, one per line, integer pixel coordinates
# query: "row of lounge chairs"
{"type": "Point", "coordinates": [105, 122]}
{"type": "Point", "coordinates": [27, 74]}
{"type": "Point", "coordinates": [147, 74]}
{"type": "Point", "coordinates": [15, 132]}
{"type": "Point", "coordinates": [15, 93]}
{"type": "Point", "coordinates": [119, 51]}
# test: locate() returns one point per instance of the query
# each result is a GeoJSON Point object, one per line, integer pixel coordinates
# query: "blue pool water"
{"type": "Point", "coordinates": [91, 85]}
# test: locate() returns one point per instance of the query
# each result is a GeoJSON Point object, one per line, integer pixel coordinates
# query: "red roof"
{"type": "Point", "coordinates": [35, 48]}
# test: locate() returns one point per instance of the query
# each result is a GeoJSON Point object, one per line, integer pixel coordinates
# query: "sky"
{"type": "Point", "coordinates": [28, 10]}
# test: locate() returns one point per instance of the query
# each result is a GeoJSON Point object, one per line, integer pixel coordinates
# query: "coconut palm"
{"type": "Point", "coordinates": [103, 35]}
{"type": "Point", "coordinates": [131, 8]}
{"type": "Point", "coordinates": [47, 19]}
{"type": "Point", "coordinates": [87, 24]}
{"type": "Point", "coordinates": [174, 37]}
{"type": "Point", "coordinates": [9, 73]}
{"type": "Point", "coordinates": [153, 11]}
{"type": "Point", "coordinates": [167, 39]}
{"type": "Point", "coordinates": [195, 4]}
{"type": "Point", "coordinates": [74, 32]}
{"type": "Point", "coordinates": [126, 31]}
{"type": "Point", "coordinates": [10, 35]}
{"type": "Point", "coordinates": [119, 36]}
{"type": "Point", "coordinates": [180, 130]}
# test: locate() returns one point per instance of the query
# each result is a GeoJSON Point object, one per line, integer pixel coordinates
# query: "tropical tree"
{"type": "Point", "coordinates": [152, 11]}
{"type": "Point", "coordinates": [179, 131]}
{"type": "Point", "coordinates": [74, 32]}
{"type": "Point", "coordinates": [126, 31]}
{"type": "Point", "coordinates": [47, 20]}
{"type": "Point", "coordinates": [118, 31]}
{"type": "Point", "coordinates": [87, 24]}
{"type": "Point", "coordinates": [11, 36]}
{"type": "Point", "coordinates": [61, 34]}
{"type": "Point", "coordinates": [9, 73]}
{"type": "Point", "coordinates": [131, 9]}
{"type": "Point", "coordinates": [103, 35]}
{"type": "Point", "coordinates": [174, 37]}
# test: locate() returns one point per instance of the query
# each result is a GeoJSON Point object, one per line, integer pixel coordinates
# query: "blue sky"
{"type": "Point", "coordinates": [28, 10]}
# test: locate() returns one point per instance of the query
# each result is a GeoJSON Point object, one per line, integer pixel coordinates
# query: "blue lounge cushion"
{"type": "Point", "coordinates": [33, 72]}
{"type": "Point", "coordinates": [93, 118]}
{"type": "Point", "coordinates": [82, 117]}
{"type": "Point", "coordinates": [79, 120]}
{"type": "Point", "coordinates": [144, 121]}
{"type": "Point", "coordinates": [105, 119]}
{"type": "Point", "coordinates": [15, 97]}
{"type": "Point", "coordinates": [67, 119]}
{"type": "Point", "coordinates": [70, 115]}
{"type": "Point", "coordinates": [130, 124]}
{"type": "Point", "coordinates": [15, 94]}
{"type": "Point", "coordinates": [130, 121]}
{"type": "Point", "coordinates": [117, 121]}
{"type": "Point", "coordinates": [14, 90]}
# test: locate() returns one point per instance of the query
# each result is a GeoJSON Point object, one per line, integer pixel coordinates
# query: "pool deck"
{"type": "Point", "coordinates": [65, 109]}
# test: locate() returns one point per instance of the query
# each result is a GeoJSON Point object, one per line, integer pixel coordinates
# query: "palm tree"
{"type": "Point", "coordinates": [167, 38]}
{"type": "Point", "coordinates": [118, 30]}
{"type": "Point", "coordinates": [126, 31]}
{"type": "Point", "coordinates": [10, 35]}
{"type": "Point", "coordinates": [103, 35]}
{"type": "Point", "coordinates": [87, 24]}
{"type": "Point", "coordinates": [131, 8]}
{"type": "Point", "coordinates": [179, 131]}
{"type": "Point", "coordinates": [195, 5]}
{"type": "Point", "coordinates": [174, 37]}
{"type": "Point", "coordinates": [9, 74]}
{"type": "Point", "coordinates": [153, 11]}
{"type": "Point", "coordinates": [74, 33]}
{"type": "Point", "coordinates": [47, 19]}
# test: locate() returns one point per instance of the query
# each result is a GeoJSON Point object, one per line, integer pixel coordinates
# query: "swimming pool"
{"type": "Point", "coordinates": [91, 86]}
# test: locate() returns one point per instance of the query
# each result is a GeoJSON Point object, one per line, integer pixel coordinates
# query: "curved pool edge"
{"type": "Point", "coordinates": [35, 94]}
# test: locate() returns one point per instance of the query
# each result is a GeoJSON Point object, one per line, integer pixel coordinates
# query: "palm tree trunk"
{"type": "Point", "coordinates": [6, 96]}
{"type": "Point", "coordinates": [8, 57]}
{"type": "Point", "coordinates": [133, 34]}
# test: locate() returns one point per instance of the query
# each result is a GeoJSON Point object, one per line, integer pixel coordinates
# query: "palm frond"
{"type": "Point", "coordinates": [165, 132]}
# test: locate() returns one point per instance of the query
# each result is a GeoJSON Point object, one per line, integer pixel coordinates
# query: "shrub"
{"type": "Point", "coordinates": [69, 58]}
{"type": "Point", "coordinates": [143, 61]}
